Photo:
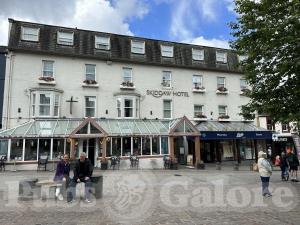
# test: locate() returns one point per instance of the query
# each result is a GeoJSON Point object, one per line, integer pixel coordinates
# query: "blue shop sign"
{"type": "Point", "coordinates": [215, 135]}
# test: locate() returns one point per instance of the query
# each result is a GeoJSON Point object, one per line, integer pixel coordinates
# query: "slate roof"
{"type": "Point", "coordinates": [84, 46]}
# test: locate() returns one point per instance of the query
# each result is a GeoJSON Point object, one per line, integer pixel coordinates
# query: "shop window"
{"type": "Point", "coordinates": [164, 145]}
{"type": "Point", "coordinates": [116, 146]}
{"type": "Point", "coordinates": [137, 146]}
{"type": "Point", "coordinates": [44, 147]}
{"type": "Point", "coordinates": [146, 146]}
{"type": "Point", "coordinates": [58, 148]}
{"type": "Point", "coordinates": [126, 146]}
{"type": "Point", "coordinates": [31, 149]}
{"type": "Point", "coordinates": [16, 151]}
{"type": "Point", "coordinates": [155, 146]}
{"type": "Point", "coordinates": [226, 150]}
{"type": "Point", "coordinates": [3, 147]}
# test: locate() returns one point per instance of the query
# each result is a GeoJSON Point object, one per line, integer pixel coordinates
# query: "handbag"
{"type": "Point", "coordinates": [255, 167]}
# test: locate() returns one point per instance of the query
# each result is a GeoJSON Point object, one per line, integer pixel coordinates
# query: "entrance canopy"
{"type": "Point", "coordinates": [90, 128]}
{"type": "Point", "coordinates": [214, 130]}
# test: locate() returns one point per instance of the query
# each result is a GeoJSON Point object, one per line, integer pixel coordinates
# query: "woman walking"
{"type": "Point", "coordinates": [265, 171]}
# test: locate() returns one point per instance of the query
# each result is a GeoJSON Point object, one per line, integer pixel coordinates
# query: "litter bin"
{"type": "Point", "coordinates": [97, 186]}
{"type": "Point", "coordinates": [28, 189]}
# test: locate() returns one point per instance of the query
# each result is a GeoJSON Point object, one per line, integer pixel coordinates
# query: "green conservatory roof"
{"type": "Point", "coordinates": [65, 127]}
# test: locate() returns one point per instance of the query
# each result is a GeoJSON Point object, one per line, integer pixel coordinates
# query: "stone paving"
{"type": "Point", "coordinates": [184, 196]}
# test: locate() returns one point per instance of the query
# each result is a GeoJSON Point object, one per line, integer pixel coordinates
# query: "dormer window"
{"type": "Point", "coordinates": [102, 42]}
{"type": "Point", "coordinates": [166, 51]}
{"type": "Point", "coordinates": [137, 47]}
{"type": "Point", "coordinates": [30, 34]}
{"type": "Point", "coordinates": [65, 38]}
{"type": "Point", "coordinates": [198, 54]}
{"type": "Point", "coordinates": [221, 57]}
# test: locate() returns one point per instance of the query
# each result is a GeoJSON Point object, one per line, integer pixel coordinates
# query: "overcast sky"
{"type": "Point", "coordinates": [203, 22]}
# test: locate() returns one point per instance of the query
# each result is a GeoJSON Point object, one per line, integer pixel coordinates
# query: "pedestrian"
{"type": "Point", "coordinates": [62, 175]}
{"type": "Point", "coordinates": [82, 173]}
{"type": "Point", "coordinates": [284, 167]}
{"type": "Point", "coordinates": [293, 164]}
{"type": "Point", "coordinates": [265, 171]}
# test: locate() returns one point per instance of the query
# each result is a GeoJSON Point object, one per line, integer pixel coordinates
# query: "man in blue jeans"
{"type": "Point", "coordinates": [82, 173]}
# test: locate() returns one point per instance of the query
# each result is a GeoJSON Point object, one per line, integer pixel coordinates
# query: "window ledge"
{"type": "Point", "coordinates": [223, 119]}
{"type": "Point", "coordinates": [199, 90]}
{"type": "Point", "coordinates": [90, 85]}
{"type": "Point", "coordinates": [43, 82]}
{"type": "Point", "coordinates": [127, 87]}
{"type": "Point", "coordinates": [200, 119]}
{"type": "Point", "coordinates": [222, 92]}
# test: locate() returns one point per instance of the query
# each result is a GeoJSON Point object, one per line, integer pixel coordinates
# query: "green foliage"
{"type": "Point", "coordinates": [268, 32]}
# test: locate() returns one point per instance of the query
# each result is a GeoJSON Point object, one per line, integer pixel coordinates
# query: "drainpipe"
{"type": "Point", "coordinates": [9, 91]}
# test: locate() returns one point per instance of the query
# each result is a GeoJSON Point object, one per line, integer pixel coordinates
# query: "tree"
{"type": "Point", "coordinates": [268, 33]}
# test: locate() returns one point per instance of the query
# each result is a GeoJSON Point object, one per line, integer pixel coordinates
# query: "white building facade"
{"type": "Point", "coordinates": [63, 73]}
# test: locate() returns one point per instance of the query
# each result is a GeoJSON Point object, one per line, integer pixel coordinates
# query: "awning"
{"type": "Point", "coordinates": [215, 130]}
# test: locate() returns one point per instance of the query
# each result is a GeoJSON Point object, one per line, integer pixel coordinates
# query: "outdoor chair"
{"type": "Point", "coordinates": [134, 161]}
{"type": "Point", "coordinates": [42, 162]}
{"type": "Point", "coordinates": [167, 162]}
{"type": "Point", "coordinates": [2, 162]}
{"type": "Point", "coordinates": [115, 162]}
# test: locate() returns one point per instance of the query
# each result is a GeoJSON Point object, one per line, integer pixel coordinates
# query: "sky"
{"type": "Point", "coordinates": [202, 22]}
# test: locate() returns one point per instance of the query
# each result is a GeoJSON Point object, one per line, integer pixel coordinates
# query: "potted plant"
{"type": "Point", "coordinates": [127, 84]}
{"type": "Point", "coordinates": [104, 163]}
{"type": "Point", "coordinates": [222, 89]}
{"type": "Point", "coordinates": [90, 82]}
{"type": "Point", "coordinates": [197, 87]}
{"type": "Point", "coordinates": [201, 115]}
{"type": "Point", "coordinates": [245, 91]}
{"type": "Point", "coordinates": [47, 79]}
{"type": "Point", "coordinates": [224, 117]}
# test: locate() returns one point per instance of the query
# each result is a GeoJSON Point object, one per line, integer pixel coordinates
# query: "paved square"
{"type": "Point", "coordinates": [160, 197]}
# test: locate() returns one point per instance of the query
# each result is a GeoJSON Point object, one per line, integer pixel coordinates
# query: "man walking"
{"type": "Point", "coordinates": [82, 173]}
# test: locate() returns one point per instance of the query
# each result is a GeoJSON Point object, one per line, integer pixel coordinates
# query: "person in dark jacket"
{"type": "Point", "coordinates": [82, 173]}
{"type": "Point", "coordinates": [62, 175]}
{"type": "Point", "coordinates": [293, 163]}
{"type": "Point", "coordinates": [284, 166]}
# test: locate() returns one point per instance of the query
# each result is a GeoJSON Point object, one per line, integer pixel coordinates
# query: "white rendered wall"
{"type": "Point", "coordinates": [69, 74]}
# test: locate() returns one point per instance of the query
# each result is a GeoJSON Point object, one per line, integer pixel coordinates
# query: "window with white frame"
{"type": "Point", "coordinates": [90, 72]}
{"type": "Point", "coordinates": [198, 110]}
{"type": "Point", "coordinates": [166, 79]}
{"type": "Point", "coordinates": [102, 42]}
{"type": "Point", "coordinates": [166, 51]}
{"type": "Point", "coordinates": [197, 81]}
{"type": "Point", "coordinates": [65, 38]}
{"type": "Point", "coordinates": [90, 106]}
{"type": "Point", "coordinates": [127, 74]}
{"type": "Point", "coordinates": [221, 82]}
{"type": "Point", "coordinates": [138, 47]}
{"type": "Point", "coordinates": [45, 104]}
{"type": "Point", "coordinates": [221, 56]}
{"type": "Point", "coordinates": [222, 110]}
{"type": "Point", "coordinates": [167, 109]}
{"type": "Point", "coordinates": [48, 68]}
{"type": "Point", "coordinates": [197, 54]}
{"type": "Point", "coordinates": [127, 107]}
{"type": "Point", "coordinates": [243, 84]}
{"type": "Point", "coordinates": [30, 34]}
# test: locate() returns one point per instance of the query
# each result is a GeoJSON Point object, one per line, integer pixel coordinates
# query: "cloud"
{"type": "Point", "coordinates": [100, 15]}
{"type": "Point", "coordinates": [218, 43]}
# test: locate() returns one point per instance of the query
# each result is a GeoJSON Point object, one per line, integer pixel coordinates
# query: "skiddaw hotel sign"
{"type": "Point", "coordinates": [160, 93]}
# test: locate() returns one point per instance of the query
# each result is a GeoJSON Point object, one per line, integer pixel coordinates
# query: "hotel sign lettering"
{"type": "Point", "coordinates": [158, 94]}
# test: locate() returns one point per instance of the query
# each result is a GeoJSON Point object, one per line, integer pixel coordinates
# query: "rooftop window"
{"type": "Point", "coordinates": [65, 38]}
{"type": "Point", "coordinates": [30, 34]}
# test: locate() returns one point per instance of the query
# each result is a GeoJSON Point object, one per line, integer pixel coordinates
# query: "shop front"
{"type": "Point", "coordinates": [100, 139]}
{"type": "Point", "coordinates": [231, 141]}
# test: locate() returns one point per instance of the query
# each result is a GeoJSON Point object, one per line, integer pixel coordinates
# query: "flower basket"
{"type": "Point", "coordinates": [201, 115]}
{"type": "Point", "coordinates": [165, 84]}
{"type": "Point", "coordinates": [90, 82]}
{"type": "Point", "coordinates": [104, 163]}
{"type": "Point", "coordinates": [47, 79]}
{"type": "Point", "coordinates": [222, 89]}
{"type": "Point", "coordinates": [127, 84]}
{"type": "Point", "coordinates": [245, 91]}
{"type": "Point", "coordinates": [199, 88]}
{"type": "Point", "coordinates": [224, 117]}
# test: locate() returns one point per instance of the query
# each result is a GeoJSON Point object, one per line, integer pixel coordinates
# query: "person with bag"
{"type": "Point", "coordinates": [293, 164]}
{"type": "Point", "coordinates": [265, 171]}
